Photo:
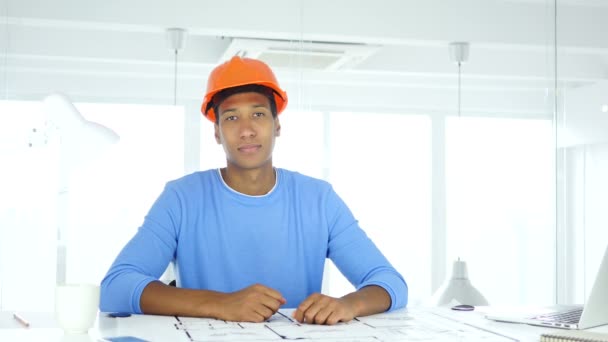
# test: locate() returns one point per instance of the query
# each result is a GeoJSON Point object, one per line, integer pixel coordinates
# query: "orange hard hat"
{"type": "Point", "coordinates": [239, 71]}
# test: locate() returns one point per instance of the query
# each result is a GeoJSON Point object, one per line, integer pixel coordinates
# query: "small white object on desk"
{"type": "Point", "coordinates": [76, 307]}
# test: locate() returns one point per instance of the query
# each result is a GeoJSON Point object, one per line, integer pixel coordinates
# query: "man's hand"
{"type": "Point", "coordinates": [322, 309]}
{"type": "Point", "coordinates": [255, 303]}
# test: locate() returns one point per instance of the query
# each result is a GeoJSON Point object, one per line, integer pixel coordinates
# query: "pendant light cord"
{"type": "Point", "coordinates": [459, 89]}
{"type": "Point", "coordinates": [175, 80]}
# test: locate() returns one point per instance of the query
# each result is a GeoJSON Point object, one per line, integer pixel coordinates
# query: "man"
{"type": "Point", "coordinates": [249, 238]}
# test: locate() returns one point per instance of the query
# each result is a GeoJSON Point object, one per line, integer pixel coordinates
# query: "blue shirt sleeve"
{"type": "Point", "coordinates": [144, 258]}
{"type": "Point", "coordinates": [357, 257]}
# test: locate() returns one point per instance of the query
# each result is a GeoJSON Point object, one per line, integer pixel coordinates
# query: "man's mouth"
{"type": "Point", "coordinates": [251, 148]}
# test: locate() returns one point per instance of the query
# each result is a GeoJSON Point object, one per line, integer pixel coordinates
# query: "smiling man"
{"type": "Point", "coordinates": [249, 238]}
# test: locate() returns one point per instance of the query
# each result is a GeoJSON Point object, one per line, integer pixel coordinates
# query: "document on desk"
{"type": "Point", "coordinates": [401, 325]}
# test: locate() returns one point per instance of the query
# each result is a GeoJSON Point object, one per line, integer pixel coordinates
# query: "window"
{"type": "Point", "coordinates": [500, 206]}
{"type": "Point", "coordinates": [212, 154]}
{"type": "Point", "coordinates": [380, 166]}
{"type": "Point", "coordinates": [107, 198]}
{"type": "Point", "coordinates": [301, 146]}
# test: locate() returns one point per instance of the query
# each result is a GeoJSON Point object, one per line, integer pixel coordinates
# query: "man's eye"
{"type": "Point", "coordinates": [231, 118]}
{"type": "Point", "coordinates": [258, 114]}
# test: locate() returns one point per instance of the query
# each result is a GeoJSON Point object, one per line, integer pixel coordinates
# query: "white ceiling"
{"type": "Point", "coordinates": [116, 51]}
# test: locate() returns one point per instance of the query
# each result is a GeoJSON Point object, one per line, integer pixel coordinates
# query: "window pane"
{"type": "Point", "coordinates": [380, 166]}
{"type": "Point", "coordinates": [107, 198]}
{"type": "Point", "coordinates": [110, 197]}
{"type": "Point", "coordinates": [301, 144]}
{"type": "Point", "coordinates": [582, 142]}
{"type": "Point", "coordinates": [212, 154]}
{"type": "Point", "coordinates": [28, 179]}
{"type": "Point", "coordinates": [500, 199]}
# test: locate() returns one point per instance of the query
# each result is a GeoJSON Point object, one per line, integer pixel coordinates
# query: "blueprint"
{"type": "Point", "coordinates": [402, 325]}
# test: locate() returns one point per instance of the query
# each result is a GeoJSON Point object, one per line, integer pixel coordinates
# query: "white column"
{"type": "Point", "coordinates": [438, 199]}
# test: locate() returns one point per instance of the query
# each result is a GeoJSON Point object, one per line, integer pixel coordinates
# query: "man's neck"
{"type": "Point", "coordinates": [250, 182]}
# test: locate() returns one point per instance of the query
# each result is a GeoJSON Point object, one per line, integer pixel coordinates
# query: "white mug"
{"type": "Point", "coordinates": [76, 307]}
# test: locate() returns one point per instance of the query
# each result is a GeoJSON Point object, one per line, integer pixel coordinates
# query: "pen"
{"type": "Point", "coordinates": [21, 320]}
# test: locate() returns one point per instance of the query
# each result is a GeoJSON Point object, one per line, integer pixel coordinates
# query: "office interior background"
{"type": "Point", "coordinates": [511, 180]}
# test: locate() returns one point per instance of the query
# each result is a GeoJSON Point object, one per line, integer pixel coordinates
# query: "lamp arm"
{"type": "Point", "coordinates": [62, 222]}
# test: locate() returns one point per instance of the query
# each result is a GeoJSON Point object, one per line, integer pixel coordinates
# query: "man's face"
{"type": "Point", "coordinates": [247, 130]}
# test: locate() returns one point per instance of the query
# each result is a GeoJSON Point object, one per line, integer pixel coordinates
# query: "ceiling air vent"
{"type": "Point", "coordinates": [300, 54]}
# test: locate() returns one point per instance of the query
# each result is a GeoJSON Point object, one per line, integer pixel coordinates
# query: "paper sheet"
{"type": "Point", "coordinates": [403, 325]}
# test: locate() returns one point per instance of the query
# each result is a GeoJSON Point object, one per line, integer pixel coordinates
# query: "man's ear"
{"type": "Point", "coordinates": [277, 125]}
{"type": "Point", "coordinates": [217, 133]}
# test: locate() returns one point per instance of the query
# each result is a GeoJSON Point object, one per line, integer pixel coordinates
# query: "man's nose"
{"type": "Point", "coordinates": [247, 129]}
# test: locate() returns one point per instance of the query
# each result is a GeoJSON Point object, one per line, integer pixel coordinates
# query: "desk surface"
{"type": "Point", "coordinates": [414, 324]}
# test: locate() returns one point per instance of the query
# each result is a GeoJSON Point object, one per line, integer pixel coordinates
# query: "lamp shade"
{"type": "Point", "coordinates": [62, 113]}
{"type": "Point", "coordinates": [81, 140]}
{"type": "Point", "coordinates": [458, 289]}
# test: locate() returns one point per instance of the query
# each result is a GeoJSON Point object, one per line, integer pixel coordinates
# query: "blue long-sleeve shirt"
{"type": "Point", "coordinates": [223, 240]}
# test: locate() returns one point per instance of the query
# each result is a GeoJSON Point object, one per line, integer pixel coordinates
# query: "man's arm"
{"type": "Point", "coordinates": [131, 284]}
{"type": "Point", "coordinates": [322, 309]}
{"type": "Point", "coordinates": [381, 287]}
{"type": "Point", "coordinates": [255, 303]}
{"type": "Point", "coordinates": [369, 300]}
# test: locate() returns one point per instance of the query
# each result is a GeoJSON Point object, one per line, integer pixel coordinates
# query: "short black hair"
{"type": "Point", "coordinates": [218, 98]}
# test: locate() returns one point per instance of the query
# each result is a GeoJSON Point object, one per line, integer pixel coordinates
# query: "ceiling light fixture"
{"type": "Point", "coordinates": [459, 53]}
{"type": "Point", "coordinates": [176, 39]}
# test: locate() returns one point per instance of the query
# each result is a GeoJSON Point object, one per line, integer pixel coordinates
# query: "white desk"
{"type": "Point", "coordinates": [444, 323]}
{"type": "Point", "coordinates": [44, 328]}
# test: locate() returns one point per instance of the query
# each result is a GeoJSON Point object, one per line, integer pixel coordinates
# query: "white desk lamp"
{"type": "Point", "coordinates": [81, 141]}
{"type": "Point", "coordinates": [458, 289]}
